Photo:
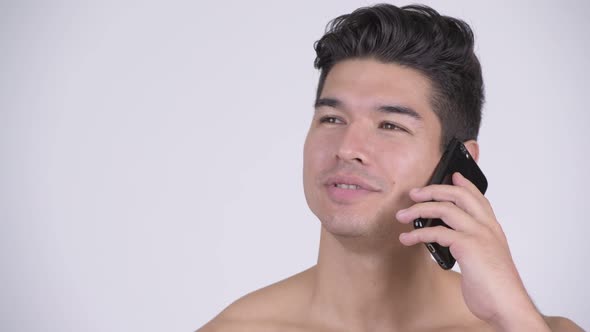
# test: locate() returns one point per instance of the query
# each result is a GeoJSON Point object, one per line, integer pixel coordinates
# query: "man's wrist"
{"type": "Point", "coordinates": [521, 318]}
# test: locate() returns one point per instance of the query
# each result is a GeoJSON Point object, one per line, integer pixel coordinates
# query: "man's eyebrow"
{"type": "Point", "coordinates": [400, 110]}
{"type": "Point", "coordinates": [330, 102]}
{"type": "Point", "coordinates": [335, 103]}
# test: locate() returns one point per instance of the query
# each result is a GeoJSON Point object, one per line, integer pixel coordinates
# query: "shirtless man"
{"type": "Point", "coordinates": [395, 86]}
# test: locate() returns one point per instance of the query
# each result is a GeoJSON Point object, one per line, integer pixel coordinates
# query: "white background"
{"type": "Point", "coordinates": [151, 154]}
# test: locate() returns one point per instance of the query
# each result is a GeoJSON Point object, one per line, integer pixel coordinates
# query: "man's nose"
{"type": "Point", "coordinates": [354, 145]}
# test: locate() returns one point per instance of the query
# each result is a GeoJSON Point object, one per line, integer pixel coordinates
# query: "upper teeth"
{"type": "Point", "coordinates": [346, 186]}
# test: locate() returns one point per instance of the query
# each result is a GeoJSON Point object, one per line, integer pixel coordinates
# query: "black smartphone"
{"type": "Point", "coordinates": [456, 158]}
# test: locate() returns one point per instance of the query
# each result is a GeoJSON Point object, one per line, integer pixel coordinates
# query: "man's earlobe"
{"type": "Point", "coordinates": [473, 148]}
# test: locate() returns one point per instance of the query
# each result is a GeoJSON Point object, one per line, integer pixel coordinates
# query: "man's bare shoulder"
{"type": "Point", "coordinates": [268, 308]}
{"type": "Point", "coordinates": [562, 324]}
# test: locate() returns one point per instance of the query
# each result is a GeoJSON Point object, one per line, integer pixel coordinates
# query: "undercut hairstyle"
{"type": "Point", "coordinates": [416, 37]}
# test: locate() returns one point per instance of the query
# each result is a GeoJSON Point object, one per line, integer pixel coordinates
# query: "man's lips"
{"type": "Point", "coordinates": [334, 180]}
{"type": "Point", "coordinates": [346, 189]}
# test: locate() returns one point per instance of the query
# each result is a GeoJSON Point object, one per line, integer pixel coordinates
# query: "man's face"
{"type": "Point", "coordinates": [373, 138]}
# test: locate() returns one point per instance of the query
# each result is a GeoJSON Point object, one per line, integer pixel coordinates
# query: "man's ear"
{"type": "Point", "coordinates": [473, 148]}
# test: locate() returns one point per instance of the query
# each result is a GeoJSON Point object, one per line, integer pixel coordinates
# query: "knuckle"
{"type": "Point", "coordinates": [447, 208]}
{"type": "Point", "coordinates": [451, 205]}
{"type": "Point", "coordinates": [438, 232]}
{"type": "Point", "coordinates": [461, 192]}
{"type": "Point", "coordinates": [486, 202]}
{"type": "Point", "coordinates": [497, 228]}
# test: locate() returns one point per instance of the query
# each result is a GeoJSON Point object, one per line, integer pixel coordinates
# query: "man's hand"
{"type": "Point", "coordinates": [491, 286]}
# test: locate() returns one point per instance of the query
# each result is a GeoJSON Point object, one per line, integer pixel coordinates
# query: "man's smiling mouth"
{"type": "Point", "coordinates": [347, 186]}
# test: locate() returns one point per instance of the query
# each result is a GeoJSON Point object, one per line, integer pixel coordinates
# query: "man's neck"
{"type": "Point", "coordinates": [368, 287]}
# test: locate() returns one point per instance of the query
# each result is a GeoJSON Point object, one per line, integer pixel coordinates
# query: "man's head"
{"type": "Point", "coordinates": [417, 37]}
{"type": "Point", "coordinates": [393, 82]}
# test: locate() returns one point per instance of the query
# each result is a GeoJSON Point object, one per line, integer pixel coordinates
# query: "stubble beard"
{"type": "Point", "coordinates": [377, 224]}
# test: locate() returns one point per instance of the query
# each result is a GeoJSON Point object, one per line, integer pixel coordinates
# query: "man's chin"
{"type": "Point", "coordinates": [350, 226]}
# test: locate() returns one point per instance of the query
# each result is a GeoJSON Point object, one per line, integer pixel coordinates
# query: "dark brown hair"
{"type": "Point", "coordinates": [417, 37]}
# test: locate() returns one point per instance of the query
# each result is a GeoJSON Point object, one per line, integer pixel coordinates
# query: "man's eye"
{"type": "Point", "coordinates": [330, 119]}
{"type": "Point", "coordinates": [391, 126]}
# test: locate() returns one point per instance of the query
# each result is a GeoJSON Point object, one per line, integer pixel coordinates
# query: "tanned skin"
{"type": "Point", "coordinates": [374, 127]}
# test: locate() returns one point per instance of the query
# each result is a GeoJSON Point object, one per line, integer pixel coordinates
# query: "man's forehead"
{"type": "Point", "coordinates": [371, 71]}
{"type": "Point", "coordinates": [371, 84]}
